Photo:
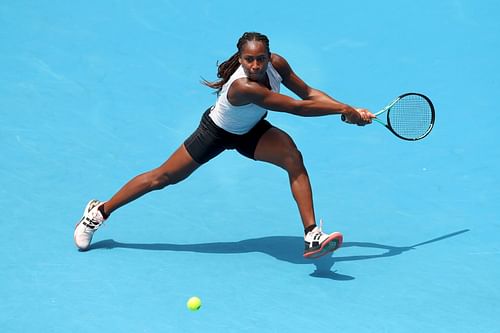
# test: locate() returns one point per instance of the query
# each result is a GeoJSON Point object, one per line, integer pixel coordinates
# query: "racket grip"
{"type": "Point", "coordinates": [343, 118]}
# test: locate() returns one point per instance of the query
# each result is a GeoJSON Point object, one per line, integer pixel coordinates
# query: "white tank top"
{"type": "Point", "coordinates": [241, 119]}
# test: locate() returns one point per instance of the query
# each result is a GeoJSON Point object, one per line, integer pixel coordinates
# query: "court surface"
{"type": "Point", "coordinates": [93, 93]}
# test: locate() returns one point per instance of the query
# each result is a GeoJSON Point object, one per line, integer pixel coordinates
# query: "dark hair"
{"type": "Point", "coordinates": [228, 67]}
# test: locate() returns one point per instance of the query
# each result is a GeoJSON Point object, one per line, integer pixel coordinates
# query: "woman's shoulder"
{"type": "Point", "coordinates": [280, 64]}
{"type": "Point", "coordinates": [277, 60]}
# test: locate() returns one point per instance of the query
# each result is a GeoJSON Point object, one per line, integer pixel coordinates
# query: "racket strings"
{"type": "Point", "coordinates": [411, 117]}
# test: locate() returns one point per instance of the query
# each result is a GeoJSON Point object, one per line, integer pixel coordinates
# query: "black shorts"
{"type": "Point", "coordinates": [209, 140]}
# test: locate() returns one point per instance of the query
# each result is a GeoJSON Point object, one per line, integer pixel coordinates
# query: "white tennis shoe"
{"type": "Point", "coordinates": [91, 220]}
{"type": "Point", "coordinates": [317, 243]}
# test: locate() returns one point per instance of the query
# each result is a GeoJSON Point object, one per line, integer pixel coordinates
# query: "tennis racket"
{"type": "Point", "coordinates": [409, 117]}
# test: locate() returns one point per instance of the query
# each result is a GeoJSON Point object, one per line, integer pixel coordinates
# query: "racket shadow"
{"type": "Point", "coordinates": [283, 248]}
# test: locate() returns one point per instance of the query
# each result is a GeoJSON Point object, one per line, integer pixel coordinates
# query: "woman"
{"type": "Point", "coordinates": [248, 86]}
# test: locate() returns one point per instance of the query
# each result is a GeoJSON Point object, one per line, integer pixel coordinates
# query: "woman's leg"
{"type": "Point", "coordinates": [277, 147]}
{"type": "Point", "coordinates": [178, 167]}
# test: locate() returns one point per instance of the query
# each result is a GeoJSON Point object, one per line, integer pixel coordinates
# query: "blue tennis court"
{"type": "Point", "coordinates": [93, 93]}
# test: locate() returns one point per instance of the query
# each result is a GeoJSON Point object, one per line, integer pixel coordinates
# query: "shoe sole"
{"type": "Point", "coordinates": [89, 207]}
{"type": "Point", "coordinates": [331, 244]}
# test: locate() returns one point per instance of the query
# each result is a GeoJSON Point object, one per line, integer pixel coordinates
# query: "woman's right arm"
{"type": "Point", "coordinates": [246, 91]}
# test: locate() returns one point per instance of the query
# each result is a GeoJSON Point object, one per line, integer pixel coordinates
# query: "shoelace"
{"type": "Point", "coordinates": [93, 222]}
{"type": "Point", "coordinates": [319, 232]}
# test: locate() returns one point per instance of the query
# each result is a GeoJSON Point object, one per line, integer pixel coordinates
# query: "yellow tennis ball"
{"type": "Point", "coordinates": [194, 303]}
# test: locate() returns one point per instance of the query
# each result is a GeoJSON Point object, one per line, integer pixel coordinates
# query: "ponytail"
{"type": "Point", "coordinates": [224, 72]}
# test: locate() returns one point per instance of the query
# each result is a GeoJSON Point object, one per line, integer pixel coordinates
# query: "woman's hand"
{"type": "Point", "coordinates": [360, 117]}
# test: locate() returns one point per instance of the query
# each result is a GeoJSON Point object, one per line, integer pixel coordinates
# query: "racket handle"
{"type": "Point", "coordinates": [343, 118]}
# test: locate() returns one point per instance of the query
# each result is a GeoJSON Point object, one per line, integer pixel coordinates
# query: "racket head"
{"type": "Point", "coordinates": [411, 116]}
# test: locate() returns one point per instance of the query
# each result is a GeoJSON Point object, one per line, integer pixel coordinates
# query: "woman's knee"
{"type": "Point", "coordinates": [292, 160]}
{"type": "Point", "coordinates": [159, 180]}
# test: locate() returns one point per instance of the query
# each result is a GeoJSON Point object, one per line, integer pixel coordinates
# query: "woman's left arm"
{"type": "Point", "coordinates": [293, 82]}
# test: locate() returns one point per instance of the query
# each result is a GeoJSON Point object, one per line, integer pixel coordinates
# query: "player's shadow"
{"type": "Point", "coordinates": [283, 248]}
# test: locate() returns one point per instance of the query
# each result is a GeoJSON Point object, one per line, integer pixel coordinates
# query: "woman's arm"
{"type": "Point", "coordinates": [293, 82]}
{"type": "Point", "coordinates": [245, 92]}
{"type": "Point", "coordinates": [313, 102]}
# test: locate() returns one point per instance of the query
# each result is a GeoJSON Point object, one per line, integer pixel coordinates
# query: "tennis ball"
{"type": "Point", "coordinates": [194, 303]}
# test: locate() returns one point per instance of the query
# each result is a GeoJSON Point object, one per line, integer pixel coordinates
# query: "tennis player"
{"type": "Point", "coordinates": [248, 86]}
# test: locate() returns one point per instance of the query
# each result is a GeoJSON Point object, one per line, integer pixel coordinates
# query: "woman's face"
{"type": "Point", "coordinates": [254, 59]}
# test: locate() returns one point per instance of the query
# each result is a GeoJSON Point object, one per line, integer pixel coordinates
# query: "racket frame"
{"type": "Point", "coordinates": [388, 124]}
{"type": "Point", "coordinates": [388, 110]}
